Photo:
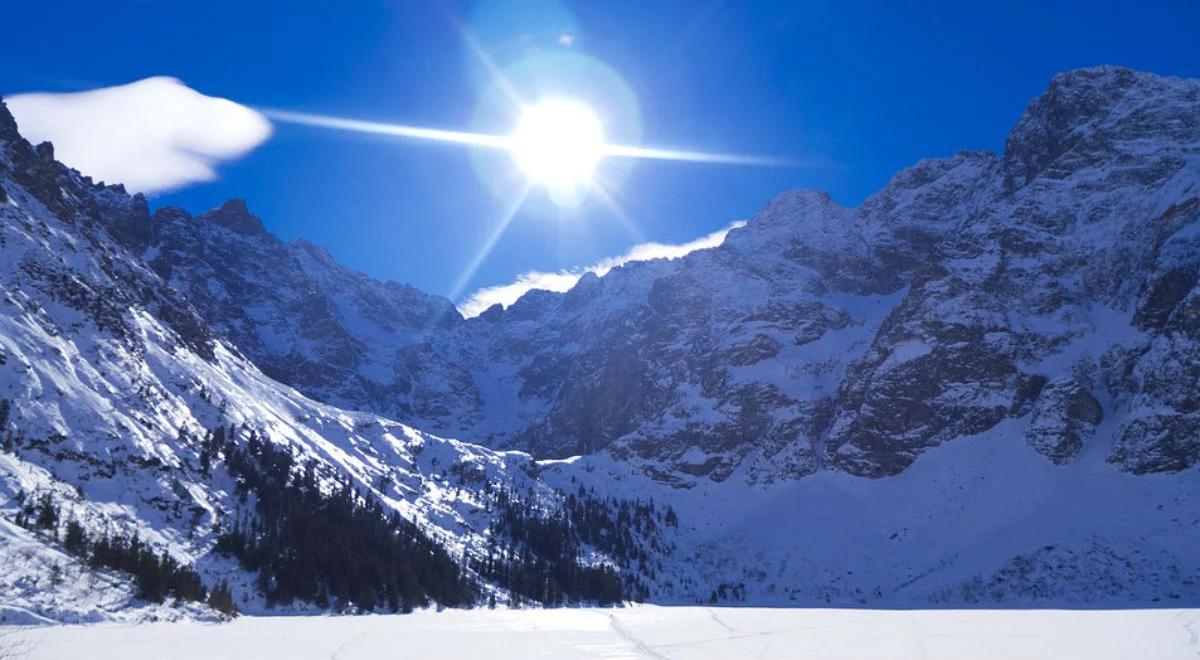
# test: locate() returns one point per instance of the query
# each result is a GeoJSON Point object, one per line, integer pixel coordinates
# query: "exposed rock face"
{"type": "Point", "coordinates": [325, 330]}
{"type": "Point", "coordinates": [1040, 272]}
{"type": "Point", "coordinates": [86, 206]}
{"type": "Point", "coordinates": [817, 335]}
{"type": "Point", "coordinates": [1064, 416]}
{"type": "Point", "coordinates": [1158, 443]}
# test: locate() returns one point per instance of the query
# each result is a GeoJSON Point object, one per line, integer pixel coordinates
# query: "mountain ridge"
{"type": "Point", "coordinates": [972, 389]}
{"type": "Point", "coordinates": [134, 439]}
{"type": "Point", "coordinates": [534, 377]}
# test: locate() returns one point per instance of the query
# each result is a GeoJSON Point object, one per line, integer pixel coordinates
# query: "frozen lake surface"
{"type": "Point", "coordinates": [647, 632]}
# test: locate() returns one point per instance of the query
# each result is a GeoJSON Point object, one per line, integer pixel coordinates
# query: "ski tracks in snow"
{"type": "Point", "coordinates": [733, 635]}
{"type": "Point", "coordinates": [637, 643]}
{"type": "Point", "coordinates": [336, 655]}
{"type": "Point", "coordinates": [1189, 626]}
{"type": "Point", "coordinates": [720, 622]}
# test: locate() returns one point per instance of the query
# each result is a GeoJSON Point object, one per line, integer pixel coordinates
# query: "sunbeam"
{"type": "Point", "coordinates": [497, 77]}
{"type": "Point", "coordinates": [508, 143]}
{"type": "Point", "coordinates": [611, 202]}
{"type": "Point", "coordinates": [394, 130]}
{"type": "Point", "coordinates": [460, 284]}
{"type": "Point", "coordinates": [655, 153]}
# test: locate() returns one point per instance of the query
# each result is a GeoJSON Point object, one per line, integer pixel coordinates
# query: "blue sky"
{"type": "Point", "coordinates": [854, 91]}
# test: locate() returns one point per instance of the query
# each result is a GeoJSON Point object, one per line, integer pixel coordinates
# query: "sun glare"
{"type": "Point", "coordinates": [558, 142]}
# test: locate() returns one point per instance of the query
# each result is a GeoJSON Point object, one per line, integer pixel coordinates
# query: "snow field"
{"type": "Point", "coordinates": [676, 633]}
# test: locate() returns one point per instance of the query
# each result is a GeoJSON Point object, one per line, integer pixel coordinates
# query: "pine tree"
{"type": "Point", "coordinates": [221, 599]}
{"type": "Point", "coordinates": [205, 463]}
{"type": "Point", "coordinates": [76, 540]}
{"type": "Point", "coordinates": [47, 513]}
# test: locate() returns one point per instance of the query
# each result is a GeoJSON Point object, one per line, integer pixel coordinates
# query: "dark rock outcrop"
{"type": "Point", "coordinates": [1064, 417]}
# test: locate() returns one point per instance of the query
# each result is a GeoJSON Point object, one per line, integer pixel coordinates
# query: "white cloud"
{"type": "Point", "coordinates": [507, 294]}
{"type": "Point", "coordinates": [151, 135]}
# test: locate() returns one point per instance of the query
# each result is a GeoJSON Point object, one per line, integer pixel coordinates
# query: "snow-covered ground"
{"type": "Point", "coordinates": [648, 632]}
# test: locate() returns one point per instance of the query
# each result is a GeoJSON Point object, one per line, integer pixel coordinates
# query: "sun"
{"type": "Point", "coordinates": [557, 142]}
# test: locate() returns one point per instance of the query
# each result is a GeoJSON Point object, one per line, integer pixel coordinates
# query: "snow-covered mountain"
{"type": "Point", "coordinates": [330, 332]}
{"type": "Point", "coordinates": [1057, 279]}
{"type": "Point", "coordinates": [978, 386]}
{"type": "Point", "coordinates": [111, 389]}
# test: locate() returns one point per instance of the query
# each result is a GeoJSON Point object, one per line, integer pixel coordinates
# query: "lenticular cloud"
{"type": "Point", "coordinates": [151, 135]}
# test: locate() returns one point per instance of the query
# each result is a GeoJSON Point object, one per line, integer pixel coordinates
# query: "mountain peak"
{"type": "Point", "coordinates": [1102, 74]}
{"type": "Point", "coordinates": [1070, 109]}
{"type": "Point", "coordinates": [801, 197]}
{"type": "Point", "coordinates": [8, 123]}
{"type": "Point", "coordinates": [235, 216]}
{"type": "Point", "coordinates": [787, 208]}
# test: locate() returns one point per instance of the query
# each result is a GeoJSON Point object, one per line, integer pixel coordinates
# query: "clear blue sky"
{"type": "Point", "coordinates": [864, 88]}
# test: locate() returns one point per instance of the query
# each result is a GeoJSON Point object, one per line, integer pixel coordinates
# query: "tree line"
{"type": "Point", "coordinates": [334, 549]}
{"type": "Point", "coordinates": [156, 575]}
{"type": "Point", "coordinates": [338, 547]}
{"type": "Point", "coordinates": [537, 553]}
{"type": "Point", "coordinates": [322, 541]}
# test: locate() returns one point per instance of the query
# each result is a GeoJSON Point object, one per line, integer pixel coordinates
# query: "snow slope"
{"type": "Point", "coordinates": [983, 521]}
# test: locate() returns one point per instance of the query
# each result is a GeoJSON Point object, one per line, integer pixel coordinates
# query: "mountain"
{"type": "Point", "coordinates": [330, 332]}
{"type": "Point", "coordinates": [978, 387]}
{"type": "Point", "coordinates": [1057, 279]}
{"type": "Point", "coordinates": [144, 460]}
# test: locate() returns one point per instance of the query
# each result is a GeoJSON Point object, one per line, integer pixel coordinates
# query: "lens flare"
{"type": "Point", "coordinates": [558, 142]}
